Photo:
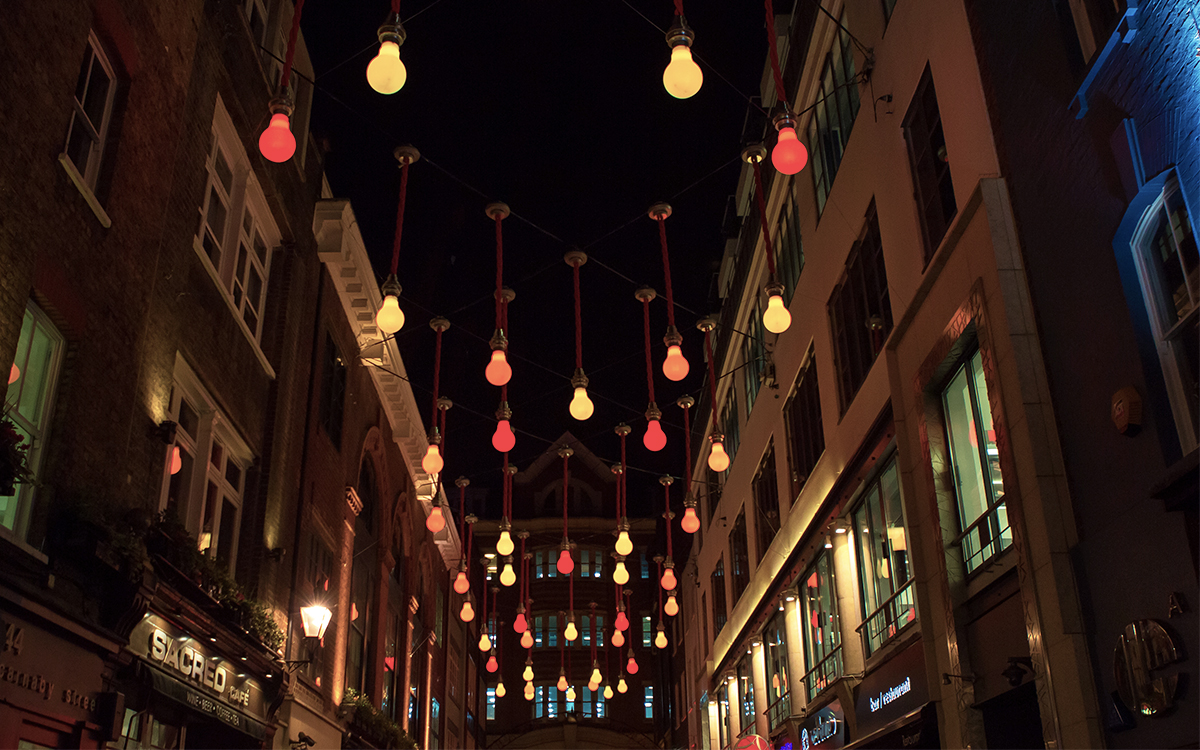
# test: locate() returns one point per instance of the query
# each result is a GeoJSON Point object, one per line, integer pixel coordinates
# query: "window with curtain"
{"type": "Point", "coordinates": [822, 637]}
{"type": "Point", "coordinates": [884, 568]}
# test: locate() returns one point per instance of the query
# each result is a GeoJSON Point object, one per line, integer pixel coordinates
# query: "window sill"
{"type": "Point", "coordinates": [8, 536]}
{"type": "Point", "coordinates": [237, 316]}
{"type": "Point", "coordinates": [81, 185]}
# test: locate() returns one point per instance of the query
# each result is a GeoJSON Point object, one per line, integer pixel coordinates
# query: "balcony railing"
{"type": "Point", "coordinates": [779, 711]}
{"type": "Point", "coordinates": [886, 622]}
{"type": "Point", "coordinates": [987, 537]}
{"type": "Point", "coordinates": [824, 673]}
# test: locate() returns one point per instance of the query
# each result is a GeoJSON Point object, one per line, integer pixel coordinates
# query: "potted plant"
{"type": "Point", "coordinates": [14, 457]}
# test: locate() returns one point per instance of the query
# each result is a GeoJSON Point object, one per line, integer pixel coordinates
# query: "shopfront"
{"type": "Point", "coordinates": [892, 707]}
{"type": "Point", "coordinates": [184, 691]}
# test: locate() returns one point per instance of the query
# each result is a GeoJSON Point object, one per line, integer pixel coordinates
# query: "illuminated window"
{"type": "Point", "coordinates": [932, 188]}
{"type": "Point", "coordinates": [647, 632]}
{"type": "Point", "coordinates": [779, 706]}
{"type": "Point", "coordinates": [491, 704]}
{"type": "Point", "coordinates": [645, 565]}
{"type": "Point", "coordinates": [648, 701]}
{"type": "Point", "coordinates": [802, 420]}
{"type": "Point", "coordinates": [884, 570]}
{"type": "Point", "coordinates": [435, 724]}
{"type": "Point", "coordinates": [822, 637]}
{"type": "Point", "coordinates": [745, 681]}
{"type": "Point", "coordinates": [833, 114]}
{"type": "Point", "coordinates": [95, 93]}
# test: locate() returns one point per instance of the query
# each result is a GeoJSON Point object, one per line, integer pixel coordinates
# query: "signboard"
{"type": "Point", "coordinates": [41, 670]}
{"type": "Point", "coordinates": [892, 691]}
{"type": "Point", "coordinates": [824, 729]}
{"type": "Point", "coordinates": [192, 672]}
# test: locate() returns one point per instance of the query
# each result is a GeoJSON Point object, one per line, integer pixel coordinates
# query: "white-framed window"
{"type": "Point", "coordinates": [95, 92]}
{"type": "Point", "coordinates": [256, 18]}
{"type": "Point", "coordinates": [29, 403]}
{"type": "Point", "coordinates": [1164, 250]}
{"type": "Point", "coordinates": [206, 492]}
{"type": "Point", "coordinates": [236, 236]}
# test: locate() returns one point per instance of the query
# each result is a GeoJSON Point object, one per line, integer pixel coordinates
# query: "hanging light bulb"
{"type": "Point", "coordinates": [690, 522]}
{"type": "Point", "coordinates": [14, 374]}
{"type": "Point", "coordinates": [776, 317]}
{"type": "Point", "coordinates": [500, 690]}
{"type": "Point", "coordinates": [675, 366]}
{"type": "Point", "coordinates": [571, 632]}
{"type": "Point", "coordinates": [669, 581]}
{"type": "Point", "coordinates": [562, 680]}
{"type": "Point", "coordinates": [527, 675]}
{"type": "Point", "coordinates": [593, 686]}
{"type": "Point", "coordinates": [519, 624]}
{"type": "Point", "coordinates": [435, 522]}
{"type": "Point", "coordinates": [390, 318]}
{"type": "Point", "coordinates": [528, 691]}
{"type": "Point", "coordinates": [654, 439]}
{"type": "Point", "coordinates": [505, 545]}
{"type": "Point", "coordinates": [432, 462]}
{"type": "Point", "coordinates": [596, 676]}
{"type": "Point", "coordinates": [672, 606]}
{"type": "Point", "coordinates": [277, 143]}
{"type": "Point", "coordinates": [386, 73]}
{"type": "Point", "coordinates": [571, 693]}
{"type": "Point", "coordinates": [503, 438]}
{"type": "Point", "coordinates": [620, 573]}
{"type": "Point", "coordinates": [718, 459]}
{"type": "Point", "coordinates": [660, 640]}
{"type": "Point", "coordinates": [622, 622]}
{"type": "Point", "coordinates": [621, 686]}
{"type": "Point", "coordinates": [683, 77]}
{"type": "Point", "coordinates": [176, 457]}
{"type": "Point", "coordinates": [608, 692]}
{"type": "Point", "coordinates": [526, 639]}
{"type": "Point", "coordinates": [492, 664]}
{"type": "Point", "coordinates": [789, 155]}
{"type": "Point", "coordinates": [631, 666]}
{"type": "Point", "coordinates": [624, 544]}
{"type": "Point", "coordinates": [485, 643]}
{"type": "Point", "coordinates": [565, 563]}
{"type": "Point", "coordinates": [581, 406]}
{"type": "Point", "coordinates": [498, 371]}
{"type": "Point", "coordinates": [508, 576]}
{"type": "Point", "coordinates": [467, 613]}
{"type": "Point", "coordinates": [461, 583]}
{"type": "Point", "coordinates": [618, 638]}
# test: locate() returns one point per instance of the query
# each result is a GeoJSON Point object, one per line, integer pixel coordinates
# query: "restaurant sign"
{"type": "Point", "coordinates": [824, 729]}
{"type": "Point", "coordinates": [891, 691]}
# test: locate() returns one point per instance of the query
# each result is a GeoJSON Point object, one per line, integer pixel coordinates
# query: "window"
{"type": "Point", "coordinates": [489, 572]}
{"type": "Point", "coordinates": [591, 563]}
{"type": "Point", "coordinates": [802, 419]}
{"type": "Point", "coordinates": [360, 625]}
{"type": "Point", "coordinates": [884, 571]}
{"type": "Point", "coordinates": [439, 615]}
{"type": "Point", "coordinates": [860, 311]}
{"type": "Point", "coordinates": [932, 188]}
{"type": "Point", "coordinates": [491, 704]}
{"type": "Point", "coordinates": [1168, 267]}
{"type": "Point", "coordinates": [975, 460]}
{"type": "Point", "coordinates": [789, 247]}
{"type": "Point", "coordinates": [95, 92]}
{"type": "Point", "coordinates": [647, 632]}
{"type": "Point", "coordinates": [714, 481]}
{"type": "Point", "coordinates": [256, 20]}
{"type": "Point", "coordinates": [236, 235]}
{"type": "Point", "coordinates": [591, 703]}
{"type": "Point", "coordinates": [745, 681]}
{"type": "Point", "coordinates": [206, 492]}
{"type": "Point", "coordinates": [739, 550]}
{"type": "Point", "coordinates": [754, 355]}
{"type": "Point", "coordinates": [833, 115]}
{"type": "Point", "coordinates": [586, 625]}
{"type": "Point", "coordinates": [718, 588]}
{"type": "Point", "coordinates": [822, 639]}
{"type": "Point", "coordinates": [29, 403]}
{"type": "Point", "coordinates": [333, 392]}
{"type": "Point", "coordinates": [648, 701]}
{"type": "Point", "coordinates": [704, 619]}
{"type": "Point", "coordinates": [723, 716]}
{"type": "Point", "coordinates": [435, 724]}
{"type": "Point", "coordinates": [765, 488]}
{"type": "Point", "coordinates": [732, 437]}
{"type": "Point", "coordinates": [779, 706]}
{"type": "Point", "coordinates": [645, 565]}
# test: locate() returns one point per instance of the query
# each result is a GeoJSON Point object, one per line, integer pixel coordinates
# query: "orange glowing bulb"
{"type": "Point", "coordinates": [467, 613]}
{"type": "Point", "coordinates": [461, 583]}
{"type": "Point", "coordinates": [718, 459]}
{"type": "Point", "coordinates": [621, 686]}
{"type": "Point", "coordinates": [672, 606]}
{"type": "Point", "coordinates": [654, 439]}
{"type": "Point", "coordinates": [432, 463]}
{"type": "Point", "coordinates": [675, 366]}
{"type": "Point", "coordinates": [277, 143]}
{"type": "Point", "coordinates": [668, 580]}
{"type": "Point", "coordinates": [660, 640]}
{"type": "Point", "coordinates": [492, 664]}
{"type": "Point", "coordinates": [14, 374]}
{"type": "Point", "coordinates": [565, 563]}
{"type": "Point", "coordinates": [498, 371]}
{"type": "Point", "coordinates": [690, 522]}
{"type": "Point", "coordinates": [503, 438]}
{"type": "Point", "coordinates": [618, 638]}
{"type": "Point", "coordinates": [527, 639]}
{"type": "Point", "coordinates": [176, 459]}
{"type": "Point", "coordinates": [562, 682]}
{"type": "Point", "coordinates": [436, 521]}
{"type": "Point", "coordinates": [529, 691]}
{"type": "Point", "coordinates": [789, 155]}
{"type": "Point", "coordinates": [501, 691]}
{"type": "Point", "coordinates": [631, 666]}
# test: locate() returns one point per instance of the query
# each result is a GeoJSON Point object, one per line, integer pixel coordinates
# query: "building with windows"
{"type": "Point", "coordinates": [962, 497]}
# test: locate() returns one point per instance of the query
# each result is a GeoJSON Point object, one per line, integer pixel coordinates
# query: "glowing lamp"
{"type": "Point", "coordinates": [527, 675]}
{"type": "Point", "coordinates": [596, 676]}
{"type": "Point", "coordinates": [571, 632]}
{"type": "Point", "coordinates": [508, 576]}
{"type": "Point", "coordinates": [690, 522]}
{"type": "Point", "coordinates": [683, 77]}
{"type": "Point", "coordinates": [277, 143]}
{"type": "Point", "coordinates": [631, 666]}
{"type": "Point", "coordinates": [390, 318]}
{"type": "Point", "coordinates": [581, 406]}
{"type": "Point", "coordinates": [386, 73]}
{"type": "Point", "coordinates": [621, 686]}
{"type": "Point", "coordinates": [485, 643]}
{"type": "Point", "coordinates": [672, 606]}
{"type": "Point", "coordinates": [529, 691]}
{"type": "Point", "coordinates": [432, 463]}
{"type": "Point", "coordinates": [500, 690]}
{"type": "Point", "coordinates": [660, 640]}
{"type": "Point", "coordinates": [505, 546]}
{"type": "Point", "coordinates": [519, 624]}
{"type": "Point", "coordinates": [622, 622]}
{"type": "Point", "coordinates": [789, 155]}
{"type": "Point", "coordinates": [654, 439]}
{"type": "Point", "coordinates": [608, 692]}
{"type": "Point", "coordinates": [315, 618]}
{"type": "Point", "coordinates": [176, 457]}
{"type": "Point", "coordinates": [467, 613]}
{"type": "Point", "coordinates": [620, 573]}
{"type": "Point", "coordinates": [14, 374]}
{"type": "Point", "coordinates": [562, 681]}
{"type": "Point", "coordinates": [461, 584]}
{"type": "Point", "coordinates": [624, 545]}
{"type": "Point", "coordinates": [498, 371]}
{"type": "Point", "coordinates": [593, 686]}
{"type": "Point", "coordinates": [618, 638]}
{"type": "Point", "coordinates": [776, 319]}
{"type": "Point", "coordinates": [492, 664]}
{"type": "Point", "coordinates": [527, 639]}
{"type": "Point", "coordinates": [571, 693]}
{"type": "Point", "coordinates": [435, 522]}
{"type": "Point", "coordinates": [668, 580]}
{"type": "Point", "coordinates": [503, 438]}
{"type": "Point", "coordinates": [565, 563]}
{"type": "Point", "coordinates": [675, 366]}
{"type": "Point", "coordinates": [718, 459]}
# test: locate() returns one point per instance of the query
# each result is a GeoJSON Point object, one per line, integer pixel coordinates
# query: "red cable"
{"type": "Point", "coordinates": [524, 574]}
{"type": "Point", "coordinates": [662, 236]}
{"type": "Point", "coordinates": [712, 378]}
{"type": "Point", "coordinates": [565, 497]}
{"type": "Point", "coordinates": [395, 6]}
{"type": "Point", "coordinates": [286, 74]}
{"type": "Point", "coordinates": [624, 509]}
{"type": "Point", "coordinates": [483, 614]}
{"type": "Point", "coordinates": [504, 488]}
{"type": "Point", "coordinates": [667, 497]}
{"type": "Point", "coordinates": [687, 454]}
{"type": "Point", "coordinates": [779, 91]}
{"type": "Point", "coordinates": [678, 7]}
{"type": "Point", "coordinates": [762, 215]}
{"type": "Point", "coordinates": [470, 542]}
{"type": "Point", "coordinates": [578, 321]}
{"type": "Point", "coordinates": [499, 272]}
{"type": "Point", "coordinates": [660, 590]}
{"type": "Point", "coordinates": [399, 216]}
{"type": "Point", "coordinates": [619, 496]}
{"type": "Point", "coordinates": [649, 364]}
{"type": "Point", "coordinates": [462, 518]}
{"type": "Point", "coordinates": [437, 370]}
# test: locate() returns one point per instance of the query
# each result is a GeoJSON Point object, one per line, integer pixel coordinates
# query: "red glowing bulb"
{"type": "Point", "coordinates": [492, 664]}
{"type": "Point", "coordinates": [519, 624]}
{"type": "Point", "coordinates": [654, 439]}
{"type": "Point", "coordinates": [503, 438]}
{"type": "Point", "coordinates": [789, 155]}
{"type": "Point", "coordinates": [277, 143]}
{"type": "Point", "coordinates": [622, 622]}
{"type": "Point", "coordinates": [565, 563]}
{"type": "Point", "coordinates": [690, 522]}
{"type": "Point", "coordinates": [631, 666]}
{"type": "Point", "coordinates": [461, 584]}
{"type": "Point", "coordinates": [176, 459]}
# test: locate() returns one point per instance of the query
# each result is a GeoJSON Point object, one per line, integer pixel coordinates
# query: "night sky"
{"type": "Point", "coordinates": [557, 109]}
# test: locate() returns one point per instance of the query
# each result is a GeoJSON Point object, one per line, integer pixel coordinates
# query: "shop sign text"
{"type": "Point", "coordinates": [891, 694]}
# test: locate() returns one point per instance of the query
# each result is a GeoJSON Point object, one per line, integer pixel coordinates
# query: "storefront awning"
{"type": "Point", "coordinates": [916, 729]}
{"type": "Point", "coordinates": [204, 705]}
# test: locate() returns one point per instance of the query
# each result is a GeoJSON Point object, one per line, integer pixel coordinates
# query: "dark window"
{"type": "Point", "coordinates": [732, 437]}
{"type": "Point", "coordinates": [714, 480]}
{"type": "Point", "coordinates": [739, 547]}
{"type": "Point", "coordinates": [833, 115]}
{"type": "Point", "coordinates": [754, 354]}
{"type": "Point", "coordinates": [932, 187]}
{"type": "Point", "coordinates": [789, 246]}
{"type": "Point", "coordinates": [333, 392]}
{"type": "Point", "coordinates": [802, 419]}
{"type": "Point", "coordinates": [766, 501]}
{"type": "Point", "coordinates": [704, 620]}
{"type": "Point", "coordinates": [860, 311]}
{"type": "Point", "coordinates": [718, 588]}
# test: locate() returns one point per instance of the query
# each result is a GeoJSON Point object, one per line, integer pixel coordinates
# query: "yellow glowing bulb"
{"type": "Point", "coordinates": [386, 73]}
{"type": "Point", "coordinates": [505, 546]}
{"type": "Point", "coordinates": [467, 613]}
{"type": "Point", "coordinates": [608, 692]}
{"type": "Point", "coordinates": [660, 640]}
{"type": "Point", "coordinates": [432, 463]}
{"type": "Point", "coordinates": [672, 606]}
{"type": "Point", "coordinates": [529, 691]}
{"type": "Point", "coordinates": [572, 632]}
{"type": "Point", "coordinates": [527, 675]}
{"type": "Point", "coordinates": [571, 693]}
{"type": "Point", "coordinates": [596, 676]}
{"type": "Point", "coordinates": [675, 366]}
{"type": "Point", "coordinates": [776, 319]}
{"type": "Point", "coordinates": [507, 576]}
{"type": "Point", "coordinates": [390, 317]}
{"type": "Point", "coordinates": [562, 681]}
{"type": "Point", "coordinates": [526, 639]}
{"type": "Point", "coordinates": [624, 545]}
{"type": "Point", "coordinates": [581, 406]}
{"type": "Point", "coordinates": [621, 686]}
{"type": "Point", "coordinates": [618, 638]}
{"type": "Point", "coordinates": [620, 574]}
{"type": "Point", "coordinates": [683, 77]}
{"type": "Point", "coordinates": [718, 459]}
{"type": "Point", "coordinates": [500, 691]}
{"type": "Point", "coordinates": [485, 643]}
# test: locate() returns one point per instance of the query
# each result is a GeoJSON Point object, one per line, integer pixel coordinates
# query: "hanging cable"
{"type": "Point", "coordinates": [654, 438]}
{"type": "Point", "coordinates": [690, 523]}
{"type": "Point", "coordinates": [776, 317]}
{"type": "Point", "coordinates": [498, 371]}
{"type": "Point", "coordinates": [581, 406]}
{"type": "Point", "coordinates": [389, 317]}
{"type": "Point", "coordinates": [718, 459]}
{"type": "Point", "coordinates": [675, 366]}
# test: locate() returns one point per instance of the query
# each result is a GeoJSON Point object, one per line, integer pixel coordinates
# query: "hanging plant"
{"type": "Point", "coordinates": [14, 458]}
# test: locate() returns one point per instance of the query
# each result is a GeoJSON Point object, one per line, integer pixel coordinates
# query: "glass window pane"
{"type": "Point", "coordinates": [96, 99]}
{"type": "Point", "coordinates": [964, 456]}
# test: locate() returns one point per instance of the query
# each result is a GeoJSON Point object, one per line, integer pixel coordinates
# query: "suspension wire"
{"type": "Point", "coordinates": [399, 215]}
{"type": "Point", "coordinates": [649, 363]}
{"type": "Point", "coordinates": [762, 214]}
{"type": "Point", "coordinates": [712, 378]}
